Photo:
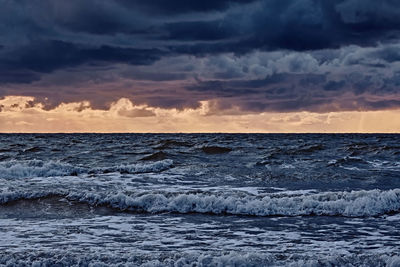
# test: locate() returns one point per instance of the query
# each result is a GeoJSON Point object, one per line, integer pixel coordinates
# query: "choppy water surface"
{"type": "Point", "coordinates": [200, 200]}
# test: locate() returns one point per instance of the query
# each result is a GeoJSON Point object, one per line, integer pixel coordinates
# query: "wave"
{"type": "Point", "coordinates": [348, 204]}
{"type": "Point", "coordinates": [33, 149]}
{"type": "Point", "coordinates": [10, 196]}
{"type": "Point", "coordinates": [216, 149]}
{"type": "Point", "coordinates": [38, 168]}
{"type": "Point", "coordinates": [352, 204]}
{"type": "Point", "coordinates": [346, 160]}
{"type": "Point", "coordinates": [294, 151]}
{"type": "Point", "coordinates": [232, 258]}
{"type": "Point", "coordinates": [157, 166]}
{"type": "Point", "coordinates": [167, 144]}
{"type": "Point", "coordinates": [356, 149]}
{"type": "Point", "coordinates": [304, 149]}
{"type": "Point", "coordinates": [156, 156]}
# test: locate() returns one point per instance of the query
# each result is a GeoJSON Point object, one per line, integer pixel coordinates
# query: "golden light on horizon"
{"type": "Point", "coordinates": [18, 115]}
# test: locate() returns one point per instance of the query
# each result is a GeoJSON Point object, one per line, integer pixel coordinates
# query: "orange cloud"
{"type": "Point", "coordinates": [17, 114]}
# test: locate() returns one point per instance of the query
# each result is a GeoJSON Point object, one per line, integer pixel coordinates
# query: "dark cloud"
{"type": "Point", "coordinates": [171, 7]}
{"type": "Point", "coordinates": [172, 101]}
{"type": "Point", "coordinates": [277, 55]}
{"type": "Point", "coordinates": [302, 92]}
{"type": "Point", "coordinates": [312, 79]}
{"type": "Point", "coordinates": [197, 31]}
{"type": "Point", "coordinates": [154, 76]}
{"type": "Point", "coordinates": [334, 85]}
{"type": "Point", "coordinates": [300, 25]}
{"type": "Point", "coordinates": [47, 56]}
{"type": "Point", "coordinates": [18, 76]}
{"type": "Point", "coordinates": [99, 20]}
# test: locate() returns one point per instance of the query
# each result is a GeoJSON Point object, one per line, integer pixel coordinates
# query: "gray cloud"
{"type": "Point", "coordinates": [275, 55]}
{"type": "Point", "coordinates": [136, 113]}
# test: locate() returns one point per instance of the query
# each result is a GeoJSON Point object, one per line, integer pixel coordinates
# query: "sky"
{"type": "Point", "coordinates": [200, 66]}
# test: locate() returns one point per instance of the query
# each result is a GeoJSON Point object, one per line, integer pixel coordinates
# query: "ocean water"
{"type": "Point", "coordinates": [199, 200]}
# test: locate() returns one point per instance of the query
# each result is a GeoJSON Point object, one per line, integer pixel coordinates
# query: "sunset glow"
{"type": "Point", "coordinates": [218, 66]}
{"type": "Point", "coordinates": [124, 116]}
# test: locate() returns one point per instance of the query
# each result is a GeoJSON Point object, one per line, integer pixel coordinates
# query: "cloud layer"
{"type": "Point", "coordinates": [250, 56]}
{"type": "Point", "coordinates": [20, 114]}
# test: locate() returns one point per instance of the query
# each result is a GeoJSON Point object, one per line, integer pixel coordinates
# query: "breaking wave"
{"type": "Point", "coordinates": [194, 259]}
{"type": "Point", "coordinates": [38, 168]}
{"type": "Point", "coordinates": [157, 166]}
{"type": "Point", "coordinates": [349, 204]}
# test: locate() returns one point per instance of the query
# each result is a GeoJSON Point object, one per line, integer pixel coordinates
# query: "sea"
{"type": "Point", "coordinates": [199, 200]}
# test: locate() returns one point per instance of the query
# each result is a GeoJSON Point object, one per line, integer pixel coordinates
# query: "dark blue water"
{"type": "Point", "coordinates": [200, 200]}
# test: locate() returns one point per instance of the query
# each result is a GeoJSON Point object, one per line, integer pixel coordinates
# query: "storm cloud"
{"type": "Point", "coordinates": [257, 55]}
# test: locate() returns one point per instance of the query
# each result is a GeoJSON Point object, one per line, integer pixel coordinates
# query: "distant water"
{"type": "Point", "coordinates": [199, 200]}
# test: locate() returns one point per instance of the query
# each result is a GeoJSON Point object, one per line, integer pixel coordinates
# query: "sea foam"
{"type": "Point", "coordinates": [38, 168]}
{"type": "Point", "coordinates": [352, 204]}
{"type": "Point", "coordinates": [194, 259]}
{"type": "Point", "coordinates": [349, 204]}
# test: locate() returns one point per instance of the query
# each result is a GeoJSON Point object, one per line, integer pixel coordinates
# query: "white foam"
{"type": "Point", "coordinates": [9, 196]}
{"type": "Point", "coordinates": [38, 168]}
{"type": "Point", "coordinates": [215, 200]}
{"type": "Point", "coordinates": [352, 204]}
{"type": "Point", "coordinates": [232, 258]}
{"type": "Point", "coordinates": [393, 218]}
{"type": "Point", "coordinates": [139, 167]}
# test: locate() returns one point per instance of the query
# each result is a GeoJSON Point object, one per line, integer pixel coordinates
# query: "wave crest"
{"type": "Point", "coordinates": [157, 166]}
{"type": "Point", "coordinates": [232, 258]}
{"type": "Point", "coordinates": [38, 168]}
{"type": "Point", "coordinates": [349, 204]}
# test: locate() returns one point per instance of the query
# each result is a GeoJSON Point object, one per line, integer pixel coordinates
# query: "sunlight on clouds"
{"type": "Point", "coordinates": [22, 114]}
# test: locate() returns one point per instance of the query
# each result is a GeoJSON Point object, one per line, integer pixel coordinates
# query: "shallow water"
{"type": "Point", "coordinates": [200, 199]}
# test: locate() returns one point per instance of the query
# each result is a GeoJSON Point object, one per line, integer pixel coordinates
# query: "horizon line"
{"type": "Point", "coordinates": [366, 133]}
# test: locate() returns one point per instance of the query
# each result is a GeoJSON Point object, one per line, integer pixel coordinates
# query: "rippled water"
{"type": "Point", "coordinates": [200, 199]}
